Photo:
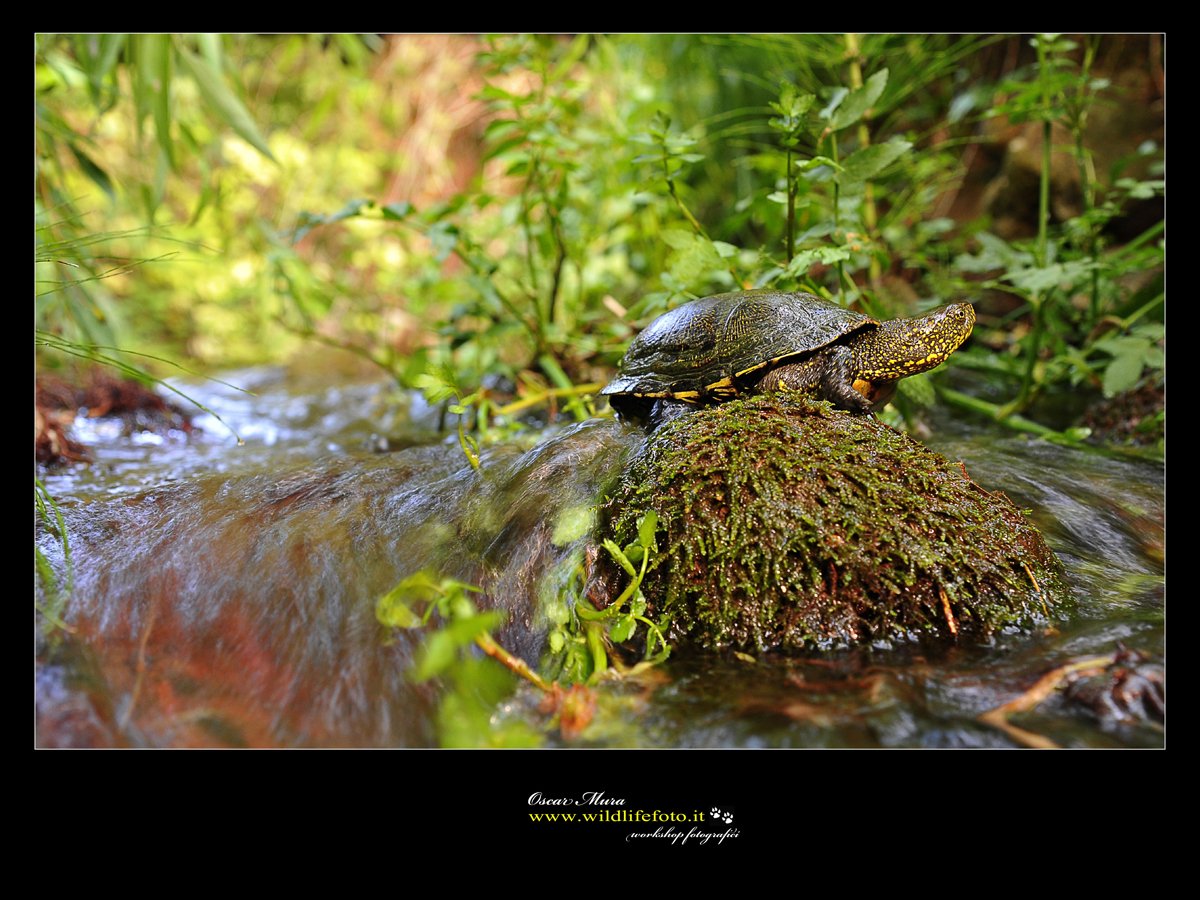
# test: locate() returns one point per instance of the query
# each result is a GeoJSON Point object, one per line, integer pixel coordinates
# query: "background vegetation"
{"type": "Point", "coordinates": [492, 219]}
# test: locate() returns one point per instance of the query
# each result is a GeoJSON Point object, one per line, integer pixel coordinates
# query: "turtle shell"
{"type": "Point", "coordinates": [710, 349]}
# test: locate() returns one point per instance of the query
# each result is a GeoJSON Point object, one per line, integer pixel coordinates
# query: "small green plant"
{"type": "Point", "coordinates": [1103, 340]}
{"type": "Point", "coordinates": [792, 125]}
{"type": "Point", "coordinates": [672, 151]}
{"type": "Point", "coordinates": [476, 685]}
{"type": "Point", "coordinates": [697, 261]}
{"type": "Point", "coordinates": [617, 621]}
{"type": "Point", "coordinates": [576, 650]}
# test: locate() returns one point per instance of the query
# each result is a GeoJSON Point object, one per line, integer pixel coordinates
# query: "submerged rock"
{"type": "Point", "coordinates": [787, 523]}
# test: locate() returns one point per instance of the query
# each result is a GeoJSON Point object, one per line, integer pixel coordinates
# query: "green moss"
{"type": "Point", "coordinates": [788, 523]}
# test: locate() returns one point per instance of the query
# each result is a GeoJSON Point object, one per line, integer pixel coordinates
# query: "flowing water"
{"type": "Point", "coordinates": [224, 595]}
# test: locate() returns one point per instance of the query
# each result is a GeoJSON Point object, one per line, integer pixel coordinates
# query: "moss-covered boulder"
{"type": "Point", "coordinates": [784, 522]}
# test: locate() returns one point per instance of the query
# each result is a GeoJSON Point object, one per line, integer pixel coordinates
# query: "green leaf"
{"type": "Point", "coordinates": [352, 48]}
{"type": "Point", "coordinates": [211, 49]}
{"type": "Point", "coordinates": [1122, 374]}
{"type": "Point", "coordinates": [696, 257]}
{"type": "Point", "coordinates": [961, 105]}
{"type": "Point", "coordinates": [551, 367]}
{"type": "Point", "coordinates": [437, 654]}
{"type": "Point", "coordinates": [673, 285]}
{"type": "Point", "coordinates": [416, 588]}
{"type": "Point", "coordinates": [503, 147]}
{"type": "Point", "coordinates": [677, 238]}
{"type": "Point", "coordinates": [860, 101]}
{"type": "Point", "coordinates": [648, 529]}
{"type": "Point", "coordinates": [574, 53]}
{"type": "Point", "coordinates": [834, 102]}
{"type": "Point", "coordinates": [787, 93]}
{"type": "Point", "coordinates": [223, 101]}
{"type": "Point", "coordinates": [996, 254]}
{"type": "Point", "coordinates": [162, 97]}
{"type": "Point", "coordinates": [1141, 190]}
{"type": "Point", "coordinates": [622, 629]}
{"type": "Point", "coordinates": [392, 611]}
{"type": "Point", "coordinates": [498, 129]}
{"type": "Point", "coordinates": [1037, 280]}
{"type": "Point", "coordinates": [620, 557]}
{"type": "Point", "coordinates": [157, 189]}
{"type": "Point", "coordinates": [441, 647]}
{"type": "Point", "coordinates": [826, 255]}
{"type": "Point", "coordinates": [444, 238]}
{"type": "Point", "coordinates": [1122, 345]}
{"type": "Point", "coordinates": [491, 92]}
{"type": "Point", "coordinates": [350, 210]}
{"type": "Point", "coordinates": [435, 386]}
{"type": "Point", "coordinates": [792, 107]}
{"type": "Point", "coordinates": [864, 164]}
{"type": "Point", "coordinates": [1151, 331]}
{"type": "Point", "coordinates": [101, 67]}
{"type": "Point", "coordinates": [151, 90]}
{"type": "Point", "coordinates": [94, 172]}
{"type": "Point", "coordinates": [397, 210]}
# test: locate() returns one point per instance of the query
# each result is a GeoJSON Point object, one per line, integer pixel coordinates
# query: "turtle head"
{"type": "Point", "coordinates": [902, 347]}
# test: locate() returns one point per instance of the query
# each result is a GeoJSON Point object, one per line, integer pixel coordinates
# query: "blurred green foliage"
{"type": "Point", "coordinates": [488, 216]}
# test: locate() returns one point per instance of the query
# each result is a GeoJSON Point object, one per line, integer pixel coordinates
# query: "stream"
{"type": "Point", "coordinates": [224, 595]}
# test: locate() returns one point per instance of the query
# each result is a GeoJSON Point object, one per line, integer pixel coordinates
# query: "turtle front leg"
{"type": "Point", "coordinates": [828, 374]}
{"type": "Point", "coordinates": [837, 382]}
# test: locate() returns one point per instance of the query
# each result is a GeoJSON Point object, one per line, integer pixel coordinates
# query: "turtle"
{"type": "Point", "coordinates": [738, 344]}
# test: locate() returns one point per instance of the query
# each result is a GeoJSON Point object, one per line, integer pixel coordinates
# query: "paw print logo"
{"type": "Point", "coordinates": [727, 818]}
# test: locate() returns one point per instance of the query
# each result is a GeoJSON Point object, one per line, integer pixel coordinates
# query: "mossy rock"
{"type": "Point", "coordinates": [784, 522]}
